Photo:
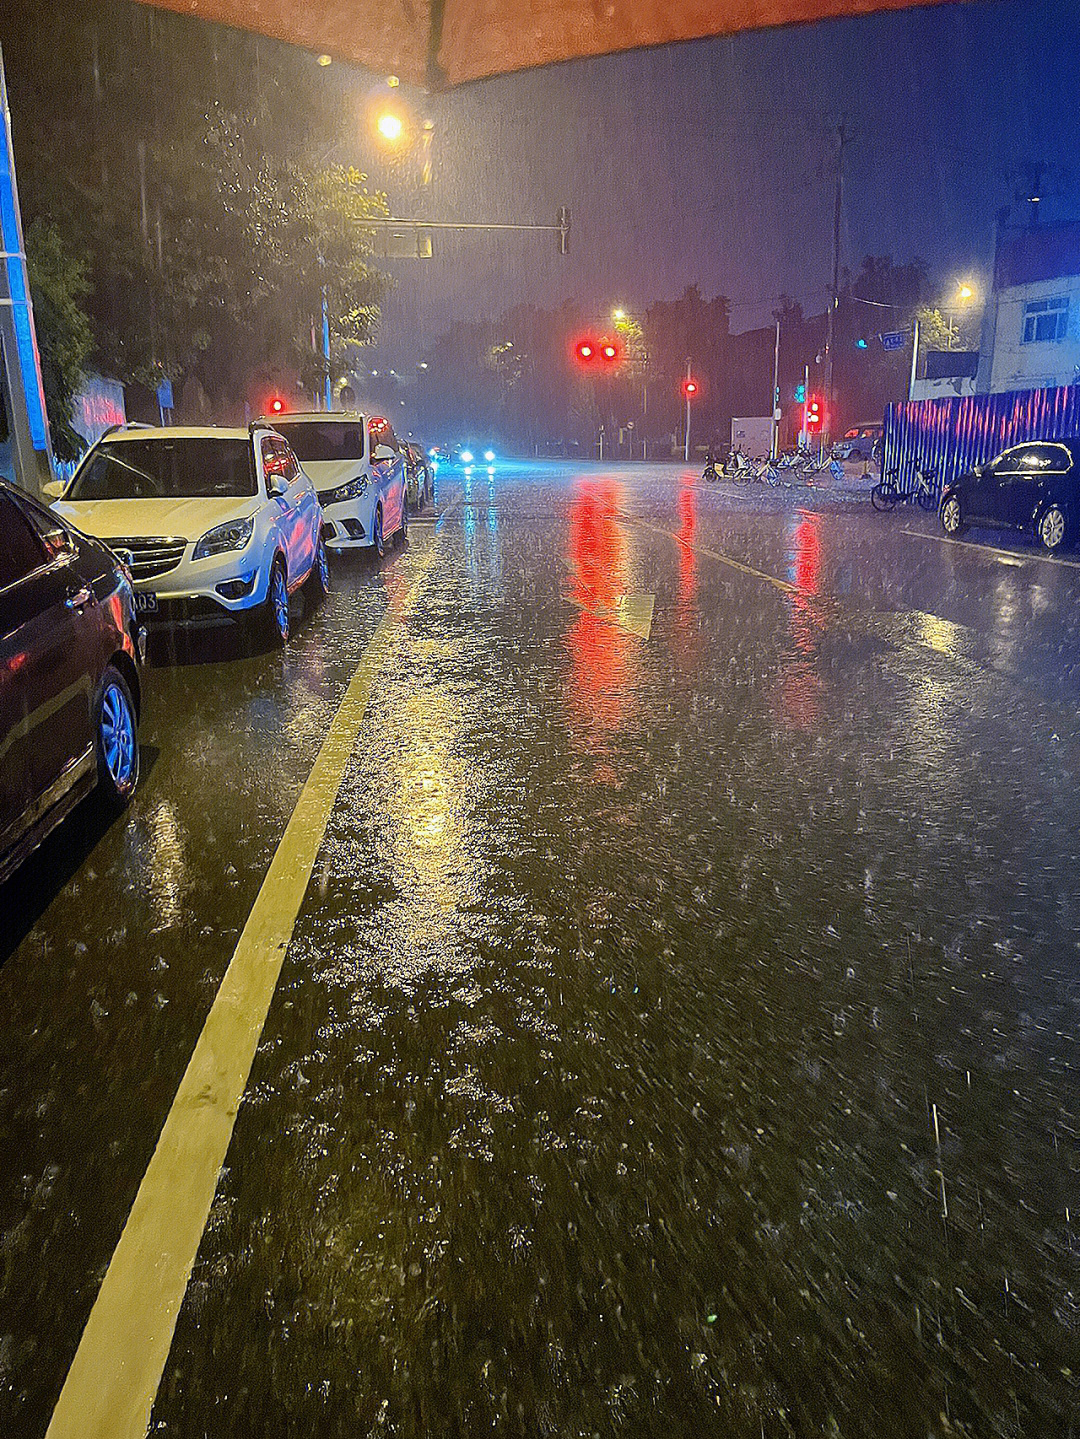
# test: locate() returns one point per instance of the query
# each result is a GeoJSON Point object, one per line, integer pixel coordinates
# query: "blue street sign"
{"type": "Point", "coordinates": [164, 395]}
{"type": "Point", "coordinates": [894, 341]}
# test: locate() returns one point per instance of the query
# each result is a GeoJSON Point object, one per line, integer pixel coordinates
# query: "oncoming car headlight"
{"type": "Point", "coordinates": [233, 535]}
{"type": "Point", "coordinates": [351, 490]}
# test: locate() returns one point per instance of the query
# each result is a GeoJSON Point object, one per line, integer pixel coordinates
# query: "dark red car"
{"type": "Point", "coordinates": [70, 657]}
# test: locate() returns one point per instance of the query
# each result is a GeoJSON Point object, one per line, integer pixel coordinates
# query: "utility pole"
{"type": "Point", "coordinates": [843, 138]}
{"type": "Point", "coordinates": [774, 431]}
{"type": "Point", "coordinates": [914, 358]}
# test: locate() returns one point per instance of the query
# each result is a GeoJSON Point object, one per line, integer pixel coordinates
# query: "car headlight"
{"type": "Point", "coordinates": [233, 535]}
{"type": "Point", "coordinates": [489, 455]}
{"type": "Point", "coordinates": [351, 490]}
{"type": "Point", "coordinates": [466, 456]}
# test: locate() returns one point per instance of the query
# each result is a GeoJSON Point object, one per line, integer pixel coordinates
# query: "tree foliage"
{"type": "Point", "coordinates": [59, 287]}
{"type": "Point", "coordinates": [188, 164]}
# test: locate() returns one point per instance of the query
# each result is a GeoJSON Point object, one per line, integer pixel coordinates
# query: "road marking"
{"type": "Point", "coordinates": [783, 585]}
{"type": "Point", "coordinates": [633, 613]}
{"type": "Point", "coordinates": [113, 1381]}
{"type": "Point", "coordinates": [1009, 557]}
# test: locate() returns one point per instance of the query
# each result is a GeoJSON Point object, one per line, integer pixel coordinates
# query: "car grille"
{"type": "Point", "coordinates": [148, 559]}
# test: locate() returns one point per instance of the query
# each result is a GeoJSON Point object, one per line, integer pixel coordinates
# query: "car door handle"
{"type": "Point", "coordinates": [80, 598]}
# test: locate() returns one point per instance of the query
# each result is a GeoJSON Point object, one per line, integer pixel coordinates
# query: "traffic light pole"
{"type": "Point", "coordinates": [688, 392]}
{"type": "Point", "coordinates": [561, 226]}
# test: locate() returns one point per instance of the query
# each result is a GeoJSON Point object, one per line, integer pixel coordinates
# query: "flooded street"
{"type": "Point", "coordinates": [678, 1033]}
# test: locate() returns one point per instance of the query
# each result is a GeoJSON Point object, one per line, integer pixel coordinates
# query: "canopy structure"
{"type": "Point", "coordinates": [447, 42]}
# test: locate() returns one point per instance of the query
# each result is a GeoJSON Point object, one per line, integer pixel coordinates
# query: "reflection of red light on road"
{"type": "Point", "coordinates": [599, 651]}
{"type": "Point", "coordinates": [800, 683]}
{"type": "Point", "coordinates": [808, 555]}
{"type": "Point", "coordinates": [686, 627]}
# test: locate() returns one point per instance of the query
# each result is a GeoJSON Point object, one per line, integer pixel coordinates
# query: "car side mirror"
{"type": "Point", "coordinates": [276, 485]}
{"type": "Point", "coordinates": [383, 452]}
{"type": "Point", "coordinates": [53, 489]}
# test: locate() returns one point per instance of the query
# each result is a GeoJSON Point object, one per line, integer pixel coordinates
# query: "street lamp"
{"type": "Point", "coordinates": [390, 126]}
{"type": "Point", "coordinates": [965, 293]}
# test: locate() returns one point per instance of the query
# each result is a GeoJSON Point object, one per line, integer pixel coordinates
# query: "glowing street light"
{"type": "Point", "coordinates": [618, 315]}
{"type": "Point", "coordinates": [390, 126]}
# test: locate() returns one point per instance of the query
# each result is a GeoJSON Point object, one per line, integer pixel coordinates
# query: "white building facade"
{"type": "Point", "coordinates": [1036, 342]}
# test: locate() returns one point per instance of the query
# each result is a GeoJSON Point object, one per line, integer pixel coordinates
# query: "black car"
{"type": "Point", "coordinates": [1033, 487]}
{"type": "Point", "coordinates": [70, 655]}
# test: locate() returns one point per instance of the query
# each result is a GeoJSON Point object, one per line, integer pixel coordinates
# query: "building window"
{"type": "Point", "coordinates": [1046, 320]}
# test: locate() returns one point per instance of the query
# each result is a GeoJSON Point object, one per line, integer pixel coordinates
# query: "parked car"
{"type": "Point", "coordinates": [1033, 487]}
{"type": "Point", "coordinates": [70, 653]}
{"type": "Point", "coordinates": [419, 482]}
{"type": "Point", "coordinates": [214, 524]}
{"type": "Point", "coordinates": [359, 470]}
{"type": "Point", "coordinates": [858, 443]}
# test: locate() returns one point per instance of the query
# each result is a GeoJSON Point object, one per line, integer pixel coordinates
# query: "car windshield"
{"type": "Point", "coordinates": [151, 469]}
{"type": "Point", "coordinates": [325, 441]}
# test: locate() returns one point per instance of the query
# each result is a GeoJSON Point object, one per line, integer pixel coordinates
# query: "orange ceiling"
{"type": "Point", "coordinates": [438, 42]}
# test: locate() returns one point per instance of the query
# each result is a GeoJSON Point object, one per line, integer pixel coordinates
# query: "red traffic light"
{"type": "Point", "coordinates": [813, 412]}
{"type": "Point", "coordinates": [689, 388]}
{"type": "Point", "coordinates": [277, 405]}
{"type": "Point", "coordinates": [590, 348]}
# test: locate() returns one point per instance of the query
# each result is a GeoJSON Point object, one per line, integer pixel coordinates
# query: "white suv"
{"type": "Point", "coordinates": [358, 466]}
{"type": "Point", "coordinates": [212, 523]}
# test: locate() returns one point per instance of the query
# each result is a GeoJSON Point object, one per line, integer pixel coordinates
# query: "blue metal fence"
{"type": "Point", "coordinates": [950, 436]}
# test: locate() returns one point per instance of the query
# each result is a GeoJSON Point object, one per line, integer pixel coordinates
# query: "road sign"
{"type": "Point", "coordinates": [165, 395]}
{"type": "Point", "coordinates": [895, 340]}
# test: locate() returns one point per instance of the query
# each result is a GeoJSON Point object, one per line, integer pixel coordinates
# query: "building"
{"type": "Point", "coordinates": [1031, 326]}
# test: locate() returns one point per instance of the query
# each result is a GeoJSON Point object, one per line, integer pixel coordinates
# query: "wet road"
{"type": "Point", "coordinates": [677, 1034]}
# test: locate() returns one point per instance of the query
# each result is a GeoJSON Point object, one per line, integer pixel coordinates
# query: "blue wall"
{"type": "Point", "coordinates": [950, 436]}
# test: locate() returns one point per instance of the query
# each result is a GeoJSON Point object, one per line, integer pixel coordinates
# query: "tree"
{"type": "Point", "coordinates": [184, 160]}
{"type": "Point", "coordinates": [58, 287]}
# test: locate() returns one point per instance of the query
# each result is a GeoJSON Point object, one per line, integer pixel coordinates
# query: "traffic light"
{"type": "Point", "coordinates": [277, 405]}
{"type": "Point", "coordinates": [800, 394]}
{"type": "Point", "coordinates": [589, 349]}
{"type": "Point", "coordinates": [562, 224]}
{"type": "Point", "coordinates": [813, 412]}
{"type": "Point", "coordinates": [689, 388]}
{"type": "Point", "coordinates": [861, 344]}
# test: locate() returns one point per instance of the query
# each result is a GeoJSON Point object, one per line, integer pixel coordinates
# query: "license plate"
{"type": "Point", "coordinates": [145, 604]}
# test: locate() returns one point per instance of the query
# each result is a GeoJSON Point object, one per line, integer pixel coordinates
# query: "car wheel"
{"type": "Point", "coordinates": [276, 606]}
{"type": "Point", "coordinates": [318, 582]}
{"type": "Point", "coordinates": [116, 739]}
{"type": "Point", "coordinates": [952, 517]}
{"type": "Point", "coordinates": [378, 543]}
{"type": "Point", "coordinates": [1051, 527]}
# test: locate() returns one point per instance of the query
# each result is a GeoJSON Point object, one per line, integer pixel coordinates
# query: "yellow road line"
{"type": "Point", "coordinates": [113, 1380]}
{"type": "Point", "coordinates": [1009, 556]}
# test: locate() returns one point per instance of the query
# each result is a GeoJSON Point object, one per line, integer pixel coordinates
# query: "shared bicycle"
{"type": "Point", "coordinates": [889, 492]}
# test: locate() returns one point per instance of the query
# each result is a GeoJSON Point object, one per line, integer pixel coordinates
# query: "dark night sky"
{"type": "Point", "coordinates": [712, 162]}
